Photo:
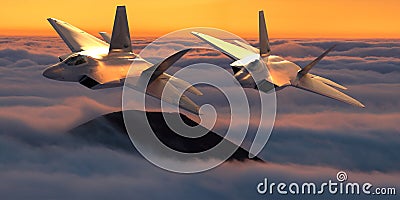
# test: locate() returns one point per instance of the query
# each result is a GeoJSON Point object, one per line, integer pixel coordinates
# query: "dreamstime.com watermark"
{"type": "Point", "coordinates": [339, 187]}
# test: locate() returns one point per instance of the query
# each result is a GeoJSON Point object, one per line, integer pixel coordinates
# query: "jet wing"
{"type": "Point", "coordinates": [76, 39]}
{"type": "Point", "coordinates": [155, 89]}
{"type": "Point", "coordinates": [308, 82]}
{"type": "Point", "coordinates": [158, 81]}
{"type": "Point", "coordinates": [157, 71]}
{"type": "Point", "coordinates": [247, 46]}
{"type": "Point", "coordinates": [329, 82]}
{"type": "Point", "coordinates": [171, 94]}
{"type": "Point", "coordinates": [231, 50]}
{"type": "Point", "coordinates": [181, 84]}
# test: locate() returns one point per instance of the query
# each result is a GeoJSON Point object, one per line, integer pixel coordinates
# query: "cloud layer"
{"type": "Point", "coordinates": [314, 137]}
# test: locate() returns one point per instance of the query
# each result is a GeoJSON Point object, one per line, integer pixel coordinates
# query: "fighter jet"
{"type": "Point", "coordinates": [97, 64]}
{"type": "Point", "coordinates": [258, 69]}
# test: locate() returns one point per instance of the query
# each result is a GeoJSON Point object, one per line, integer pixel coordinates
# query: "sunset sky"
{"type": "Point", "coordinates": [286, 19]}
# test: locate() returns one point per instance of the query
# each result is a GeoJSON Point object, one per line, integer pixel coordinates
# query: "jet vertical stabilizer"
{"type": "Point", "coordinates": [120, 38]}
{"type": "Point", "coordinates": [106, 37]}
{"type": "Point", "coordinates": [307, 68]}
{"type": "Point", "coordinates": [265, 49]}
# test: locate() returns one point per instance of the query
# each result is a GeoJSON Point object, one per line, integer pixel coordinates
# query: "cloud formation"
{"type": "Point", "coordinates": [313, 139]}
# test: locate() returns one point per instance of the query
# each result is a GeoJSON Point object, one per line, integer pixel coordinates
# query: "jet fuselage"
{"type": "Point", "coordinates": [108, 67]}
{"type": "Point", "coordinates": [277, 71]}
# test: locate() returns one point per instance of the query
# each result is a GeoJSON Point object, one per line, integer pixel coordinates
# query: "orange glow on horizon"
{"type": "Point", "coordinates": [285, 19]}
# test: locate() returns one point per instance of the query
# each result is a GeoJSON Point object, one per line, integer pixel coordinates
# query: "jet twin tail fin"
{"type": "Point", "coordinates": [120, 38]}
{"type": "Point", "coordinates": [307, 68]}
{"type": "Point", "coordinates": [265, 48]}
{"type": "Point", "coordinates": [106, 37]}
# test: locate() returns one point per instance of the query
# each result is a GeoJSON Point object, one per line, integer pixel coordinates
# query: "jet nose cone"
{"type": "Point", "coordinates": [49, 73]}
{"type": "Point", "coordinates": [46, 73]}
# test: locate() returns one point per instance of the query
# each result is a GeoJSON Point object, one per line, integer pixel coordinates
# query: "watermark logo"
{"type": "Point", "coordinates": [173, 90]}
{"type": "Point", "coordinates": [339, 187]}
{"type": "Point", "coordinates": [341, 176]}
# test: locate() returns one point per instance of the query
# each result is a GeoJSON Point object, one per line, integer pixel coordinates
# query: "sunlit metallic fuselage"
{"type": "Point", "coordinates": [276, 70]}
{"type": "Point", "coordinates": [104, 68]}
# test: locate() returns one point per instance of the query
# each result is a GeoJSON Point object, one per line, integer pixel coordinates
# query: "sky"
{"type": "Point", "coordinates": [314, 137]}
{"type": "Point", "coordinates": [285, 19]}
